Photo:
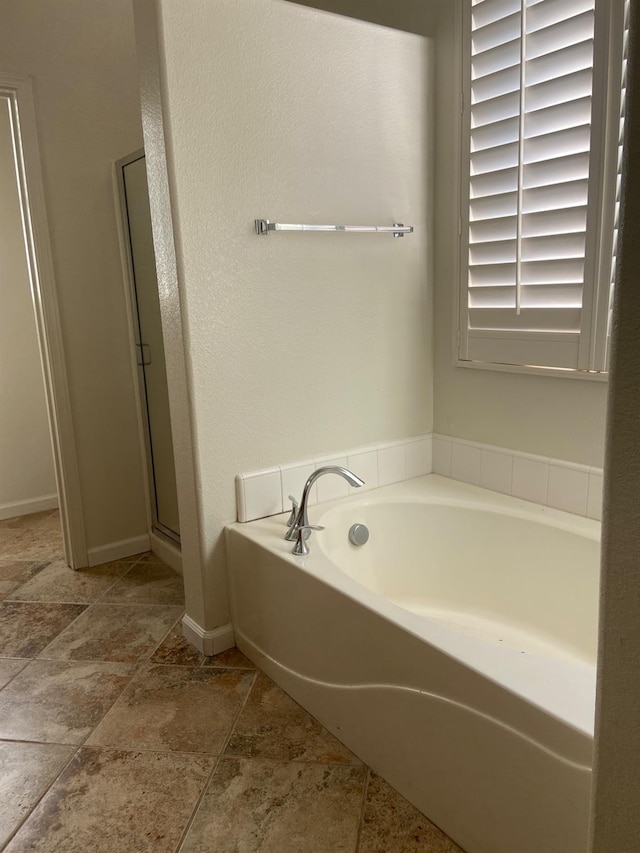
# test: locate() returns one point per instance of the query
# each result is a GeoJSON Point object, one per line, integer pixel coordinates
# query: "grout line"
{"type": "Point", "coordinates": [96, 600]}
{"type": "Point", "coordinates": [178, 620]}
{"type": "Point", "coordinates": [27, 661]}
{"type": "Point", "coordinates": [206, 668]}
{"type": "Point", "coordinates": [232, 728]}
{"type": "Point", "coordinates": [273, 759]}
{"type": "Point", "coordinates": [35, 805]}
{"type": "Point", "coordinates": [46, 646]}
{"type": "Point", "coordinates": [37, 742]}
{"type": "Point", "coordinates": [145, 658]}
{"type": "Point", "coordinates": [205, 787]}
{"type": "Point", "coordinates": [87, 604]}
{"type": "Point", "coordinates": [73, 747]}
{"type": "Point", "coordinates": [139, 673]}
{"type": "Point", "coordinates": [133, 750]}
{"type": "Point", "coordinates": [117, 580]}
{"type": "Point", "coordinates": [196, 807]}
{"type": "Point", "coordinates": [76, 749]}
{"type": "Point", "coordinates": [363, 806]}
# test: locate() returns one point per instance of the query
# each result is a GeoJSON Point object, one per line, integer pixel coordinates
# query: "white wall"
{"type": "Point", "coordinates": [561, 418]}
{"type": "Point", "coordinates": [295, 344]}
{"type": "Point", "coordinates": [81, 57]}
{"type": "Point", "coordinates": [27, 474]}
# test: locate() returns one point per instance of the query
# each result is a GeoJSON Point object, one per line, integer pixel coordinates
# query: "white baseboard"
{"type": "Point", "coordinates": [167, 551]}
{"type": "Point", "coordinates": [28, 507]}
{"type": "Point", "coordinates": [208, 642]}
{"type": "Point", "coordinates": [118, 550]}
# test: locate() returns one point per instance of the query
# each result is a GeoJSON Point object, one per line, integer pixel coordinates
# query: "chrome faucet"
{"type": "Point", "coordinates": [299, 517]}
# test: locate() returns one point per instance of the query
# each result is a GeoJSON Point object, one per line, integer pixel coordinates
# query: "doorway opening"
{"type": "Point", "coordinates": [16, 103]}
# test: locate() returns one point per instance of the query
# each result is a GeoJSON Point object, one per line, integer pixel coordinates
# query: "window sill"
{"type": "Point", "coordinates": [533, 370]}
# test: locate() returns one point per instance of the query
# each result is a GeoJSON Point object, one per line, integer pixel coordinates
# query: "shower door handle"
{"type": "Point", "coordinates": [144, 354]}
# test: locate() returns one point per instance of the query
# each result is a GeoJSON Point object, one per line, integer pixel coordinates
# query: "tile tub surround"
{"type": "Point", "coordinates": [550, 482]}
{"type": "Point", "coordinates": [266, 492]}
{"type": "Point", "coordinates": [169, 752]}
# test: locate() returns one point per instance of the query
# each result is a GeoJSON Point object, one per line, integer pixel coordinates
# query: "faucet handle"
{"type": "Point", "coordinates": [294, 511]}
{"type": "Point", "coordinates": [301, 549]}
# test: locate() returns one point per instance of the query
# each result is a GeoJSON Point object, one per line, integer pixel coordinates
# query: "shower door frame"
{"type": "Point", "coordinates": [137, 367]}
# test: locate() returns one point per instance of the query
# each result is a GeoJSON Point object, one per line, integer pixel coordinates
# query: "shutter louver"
{"type": "Point", "coordinates": [530, 137]}
{"type": "Point", "coordinates": [618, 180]}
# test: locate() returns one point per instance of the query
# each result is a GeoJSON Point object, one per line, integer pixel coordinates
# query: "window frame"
{"type": "Point", "coordinates": [592, 339]}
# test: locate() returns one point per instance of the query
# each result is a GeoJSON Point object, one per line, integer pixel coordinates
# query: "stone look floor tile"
{"type": "Point", "coordinates": [57, 582]}
{"type": "Point", "coordinates": [278, 807]}
{"type": "Point", "coordinates": [391, 823]}
{"type": "Point", "coordinates": [42, 547]}
{"type": "Point", "coordinates": [176, 650]}
{"type": "Point", "coordinates": [182, 709]}
{"type": "Point", "coordinates": [59, 701]}
{"type": "Point", "coordinates": [113, 632]}
{"type": "Point", "coordinates": [149, 557]}
{"type": "Point", "coordinates": [34, 537]}
{"type": "Point", "coordinates": [33, 521]}
{"type": "Point", "coordinates": [20, 570]}
{"type": "Point", "coordinates": [7, 587]}
{"type": "Point", "coordinates": [272, 725]}
{"type": "Point", "coordinates": [109, 801]}
{"type": "Point", "coordinates": [6, 535]}
{"type": "Point", "coordinates": [231, 659]}
{"type": "Point", "coordinates": [10, 667]}
{"type": "Point", "coordinates": [9, 523]}
{"type": "Point", "coordinates": [148, 583]}
{"type": "Point", "coordinates": [25, 629]}
{"type": "Point", "coordinates": [27, 770]}
{"type": "Point", "coordinates": [123, 800]}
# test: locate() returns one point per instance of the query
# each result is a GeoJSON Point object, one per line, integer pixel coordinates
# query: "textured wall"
{"type": "Point", "coordinates": [296, 344]}
{"type": "Point", "coordinates": [81, 57]}
{"type": "Point", "coordinates": [558, 417]}
{"type": "Point", "coordinates": [150, 78]}
{"type": "Point", "coordinates": [414, 16]}
{"type": "Point", "coordinates": [616, 798]}
{"type": "Point", "coordinates": [26, 460]}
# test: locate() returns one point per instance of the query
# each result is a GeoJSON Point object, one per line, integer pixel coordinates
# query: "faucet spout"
{"type": "Point", "coordinates": [302, 519]}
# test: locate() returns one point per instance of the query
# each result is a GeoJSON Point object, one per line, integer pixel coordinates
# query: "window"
{"type": "Point", "coordinates": [542, 126]}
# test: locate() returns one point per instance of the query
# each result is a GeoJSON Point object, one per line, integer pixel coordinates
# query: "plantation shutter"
{"type": "Point", "coordinates": [623, 98]}
{"type": "Point", "coordinates": [531, 264]}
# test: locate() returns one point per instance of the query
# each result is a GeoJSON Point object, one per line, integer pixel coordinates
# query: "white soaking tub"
{"type": "Point", "coordinates": [454, 652]}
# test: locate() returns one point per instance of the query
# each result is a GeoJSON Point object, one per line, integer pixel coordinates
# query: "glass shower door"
{"type": "Point", "coordinates": [150, 349]}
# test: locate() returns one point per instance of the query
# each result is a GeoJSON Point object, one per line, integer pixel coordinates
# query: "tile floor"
{"type": "Point", "coordinates": [116, 735]}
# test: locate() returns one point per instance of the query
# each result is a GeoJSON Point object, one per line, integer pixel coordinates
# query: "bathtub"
{"type": "Point", "coordinates": [454, 652]}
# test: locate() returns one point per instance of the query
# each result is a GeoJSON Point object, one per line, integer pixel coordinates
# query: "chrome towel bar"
{"type": "Point", "coordinates": [263, 226]}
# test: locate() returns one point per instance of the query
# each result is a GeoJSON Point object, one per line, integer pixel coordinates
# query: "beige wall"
{"type": "Point", "coordinates": [81, 57]}
{"type": "Point", "coordinates": [26, 459]}
{"type": "Point", "coordinates": [561, 418]}
{"type": "Point", "coordinates": [296, 344]}
{"type": "Point", "coordinates": [616, 790]}
{"type": "Point", "coordinates": [414, 16]}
